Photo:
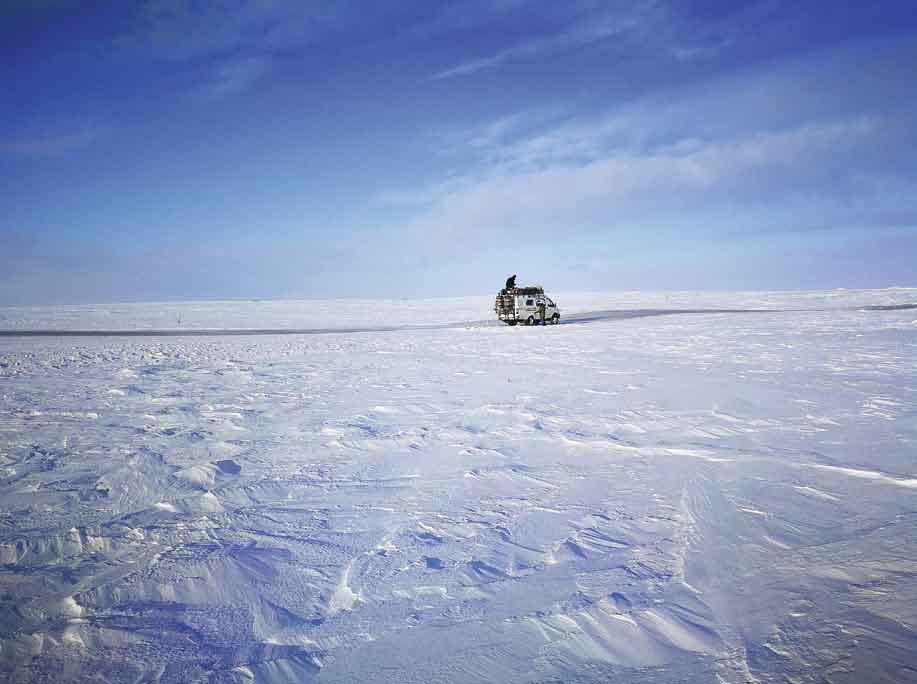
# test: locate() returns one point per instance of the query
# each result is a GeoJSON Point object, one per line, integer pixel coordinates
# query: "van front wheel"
{"type": "Point", "coordinates": [555, 319]}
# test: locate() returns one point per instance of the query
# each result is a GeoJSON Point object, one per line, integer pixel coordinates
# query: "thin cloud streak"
{"type": "Point", "coordinates": [584, 32]}
{"type": "Point", "coordinates": [656, 27]}
{"type": "Point", "coordinates": [50, 143]}
{"type": "Point", "coordinates": [233, 77]}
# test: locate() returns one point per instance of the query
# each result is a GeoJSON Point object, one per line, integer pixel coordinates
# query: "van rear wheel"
{"type": "Point", "coordinates": [530, 320]}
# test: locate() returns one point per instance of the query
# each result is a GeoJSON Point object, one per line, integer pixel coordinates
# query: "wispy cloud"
{"type": "Point", "coordinates": [660, 27]}
{"type": "Point", "coordinates": [581, 32]}
{"type": "Point", "coordinates": [235, 76]}
{"type": "Point", "coordinates": [12, 9]}
{"type": "Point", "coordinates": [181, 30]}
{"type": "Point", "coordinates": [53, 141]}
{"type": "Point", "coordinates": [233, 41]}
{"type": "Point", "coordinates": [775, 148]}
{"type": "Point", "coordinates": [622, 187]}
{"type": "Point", "coordinates": [474, 65]}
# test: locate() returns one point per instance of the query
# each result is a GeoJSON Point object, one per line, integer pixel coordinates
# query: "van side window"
{"type": "Point", "coordinates": [530, 302]}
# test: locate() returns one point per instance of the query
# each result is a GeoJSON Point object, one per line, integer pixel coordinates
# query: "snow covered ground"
{"type": "Point", "coordinates": [704, 497]}
{"type": "Point", "coordinates": [357, 313]}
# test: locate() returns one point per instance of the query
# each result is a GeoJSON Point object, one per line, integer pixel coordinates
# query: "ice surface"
{"type": "Point", "coordinates": [713, 497]}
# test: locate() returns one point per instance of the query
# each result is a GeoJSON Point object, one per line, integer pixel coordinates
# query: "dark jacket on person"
{"type": "Point", "coordinates": [511, 282]}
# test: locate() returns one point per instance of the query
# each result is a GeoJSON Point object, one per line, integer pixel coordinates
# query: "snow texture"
{"type": "Point", "coordinates": [718, 496]}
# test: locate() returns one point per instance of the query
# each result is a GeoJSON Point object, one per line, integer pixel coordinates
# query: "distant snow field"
{"type": "Point", "coordinates": [361, 313]}
{"type": "Point", "coordinates": [714, 497]}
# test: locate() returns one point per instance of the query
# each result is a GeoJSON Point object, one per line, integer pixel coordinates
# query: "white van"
{"type": "Point", "coordinates": [525, 305]}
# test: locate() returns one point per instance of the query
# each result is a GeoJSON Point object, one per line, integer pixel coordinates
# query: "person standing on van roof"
{"type": "Point", "coordinates": [511, 282]}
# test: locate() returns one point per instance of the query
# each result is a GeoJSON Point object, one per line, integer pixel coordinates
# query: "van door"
{"type": "Point", "coordinates": [541, 302]}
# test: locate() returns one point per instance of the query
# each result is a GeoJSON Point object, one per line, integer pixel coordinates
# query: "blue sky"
{"type": "Point", "coordinates": [172, 149]}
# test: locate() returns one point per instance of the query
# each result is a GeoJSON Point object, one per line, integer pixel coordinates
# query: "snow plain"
{"type": "Point", "coordinates": [719, 496]}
